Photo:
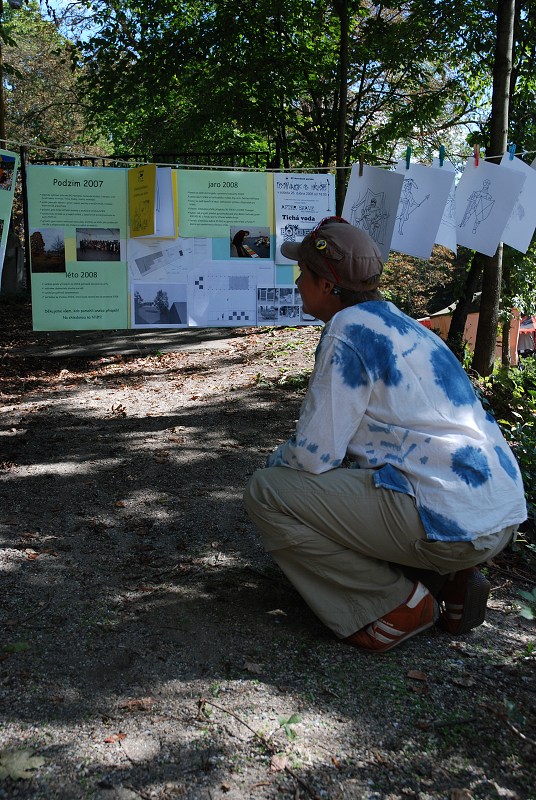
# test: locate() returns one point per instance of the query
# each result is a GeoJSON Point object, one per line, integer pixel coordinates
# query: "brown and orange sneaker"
{"type": "Point", "coordinates": [418, 613]}
{"type": "Point", "coordinates": [463, 600]}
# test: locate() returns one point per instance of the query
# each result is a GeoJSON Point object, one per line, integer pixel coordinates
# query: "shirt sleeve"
{"type": "Point", "coordinates": [332, 410]}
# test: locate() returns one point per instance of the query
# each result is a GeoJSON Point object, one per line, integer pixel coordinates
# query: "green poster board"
{"type": "Point", "coordinates": [9, 165]}
{"type": "Point", "coordinates": [78, 234]}
{"type": "Point", "coordinates": [213, 203]}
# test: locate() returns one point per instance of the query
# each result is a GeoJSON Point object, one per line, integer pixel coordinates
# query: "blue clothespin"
{"type": "Point", "coordinates": [408, 157]}
{"type": "Point", "coordinates": [441, 155]}
{"type": "Point", "coordinates": [512, 151]}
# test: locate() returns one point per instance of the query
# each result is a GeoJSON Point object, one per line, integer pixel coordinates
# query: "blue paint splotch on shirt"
{"type": "Point", "coordinates": [378, 355]}
{"type": "Point", "coordinates": [471, 465]}
{"type": "Point", "coordinates": [349, 366]}
{"type": "Point", "coordinates": [442, 528]}
{"type": "Point", "coordinates": [394, 319]}
{"type": "Point", "coordinates": [450, 377]}
{"type": "Point", "coordinates": [506, 463]}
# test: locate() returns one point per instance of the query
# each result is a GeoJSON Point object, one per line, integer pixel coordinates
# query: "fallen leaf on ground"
{"type": "Point", "coordinates": [19, 765]}
{"type": "Point", "coordinates": [137, 704]}
{"type": "Point", "coordinates": [115, 737]}
{"type": "Point", "coordinates": [278, 762]}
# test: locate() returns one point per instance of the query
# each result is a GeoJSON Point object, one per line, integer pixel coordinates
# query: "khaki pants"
{"type": "Point", "coordinates": [342, 541]}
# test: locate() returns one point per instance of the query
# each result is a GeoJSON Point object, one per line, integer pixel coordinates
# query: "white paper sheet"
{"type": "Point", "coordinates": [446, 235]}
{"type": "Point", "coordinates": [423, 199]}
{"type": "Point", "coordinates": [222, 294]}
{"type": "Point", "coordinates": [371, 203]}
{"type": "Point", "coordinates": [522, 222]}
{"type": "Point", "coordinates": [485, 198]}
{"type": "Point", "coordinates": [301, 202]}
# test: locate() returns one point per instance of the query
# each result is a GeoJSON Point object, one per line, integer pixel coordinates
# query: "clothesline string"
{"type": "Point", "coordinates": [134, 162]}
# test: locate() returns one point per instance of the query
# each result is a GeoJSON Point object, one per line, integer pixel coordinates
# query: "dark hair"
{"type": "Point", "coordinates": [351, 298]}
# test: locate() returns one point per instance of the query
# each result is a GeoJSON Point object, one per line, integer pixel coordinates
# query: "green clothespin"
{"type": "Point", "coordinates": [408, 157]}
{"type": "Point", "coordinates": [441, 155]}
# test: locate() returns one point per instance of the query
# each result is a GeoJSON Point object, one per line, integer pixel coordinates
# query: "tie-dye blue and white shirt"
{"type": "Point", "coordinates": [389, 394]}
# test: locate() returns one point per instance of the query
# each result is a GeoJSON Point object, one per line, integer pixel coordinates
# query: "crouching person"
{"type": "Point", "coordinates": [396, 484]}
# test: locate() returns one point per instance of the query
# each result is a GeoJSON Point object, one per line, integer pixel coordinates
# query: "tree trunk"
{"type": "Point", "coordinates": [486, 337]}
{"type": "Point", "coordinates": [341, 9]}
{"type": "Point", "coordinates": [507, 286]}
{"type": "Point", "coordinates": [455, 338]}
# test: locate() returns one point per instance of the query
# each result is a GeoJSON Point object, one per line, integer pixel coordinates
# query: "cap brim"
{"type": "Point", "coordinates": [290, 250]}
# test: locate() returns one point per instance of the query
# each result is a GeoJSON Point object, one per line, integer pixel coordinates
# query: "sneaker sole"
{"type": "Point", "coordinates": [474, 604]}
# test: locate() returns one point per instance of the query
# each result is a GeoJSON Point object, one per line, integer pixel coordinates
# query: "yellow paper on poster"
{"type": "Point", "coordinates": [141, 200]}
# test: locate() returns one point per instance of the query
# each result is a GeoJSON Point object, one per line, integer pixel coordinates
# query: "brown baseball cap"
{"type": "Point", "coordinates": [339, 252]}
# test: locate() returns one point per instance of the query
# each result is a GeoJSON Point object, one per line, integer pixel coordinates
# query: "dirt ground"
{"type": "Point", "coordinates": [150, 649]}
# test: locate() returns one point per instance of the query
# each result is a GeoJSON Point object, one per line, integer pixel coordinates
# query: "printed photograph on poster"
{"type": "Point", "coordinates": [371, 203]}
{"type": "Point", "coordinates": [423, 199]}
{"type": "Point", "coordinates": [159, 305]}
{"type": "Point", "coordinates": [47, 250]}
{"type": "Point", "coordinates": [446, 234]}
{"type": "Point", "coordinates": [520, 227]}
{"type": "Point", "coordinates": [301, 202]}
{"type": "Point", "coordinates": [485, 198]}
{"type": "Point", "coordinates": [98, 244]}
{"type": "Point", "coordinates": [7, 172]}
{"type": "Point", "coordinates": [252, 243]}
{"type": "Point", "coordinates": [281, 305]}
{"type": "Point", "coordinates": [222, 295]}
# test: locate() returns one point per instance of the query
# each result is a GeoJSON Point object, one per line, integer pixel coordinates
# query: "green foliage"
{"type": "Point", "coordinates": [42, 103]}
{"type": "Point", "coordinates": [528, 609]}
{"type": "Point", "coordinates": [208, 75]}
{"type": "Point", "coordinates": [288, 726]}
{"type": "Point", "coordinates": [510, 394]}
{"type": "Point", "coordinates": [16, 647]}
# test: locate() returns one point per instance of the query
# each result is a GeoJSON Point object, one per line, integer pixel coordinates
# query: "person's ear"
{"type": "Point", "coordinates": [327, 286]}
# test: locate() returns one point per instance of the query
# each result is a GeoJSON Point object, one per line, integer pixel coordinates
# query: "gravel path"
{"type": "Point", "coordinates": [150, 649]}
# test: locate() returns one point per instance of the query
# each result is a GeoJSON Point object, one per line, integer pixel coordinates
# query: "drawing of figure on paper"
{"type": "Point", "coordinates": [407, 204]}
{"type": "Point", "coordinates": [519, 212]}
{"type": "Point", "coordinates": [370, 214]}
{"type": "Point", "coordinates": [449, 214]}
{"type": "Point", "coordinates": [479, 206]}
